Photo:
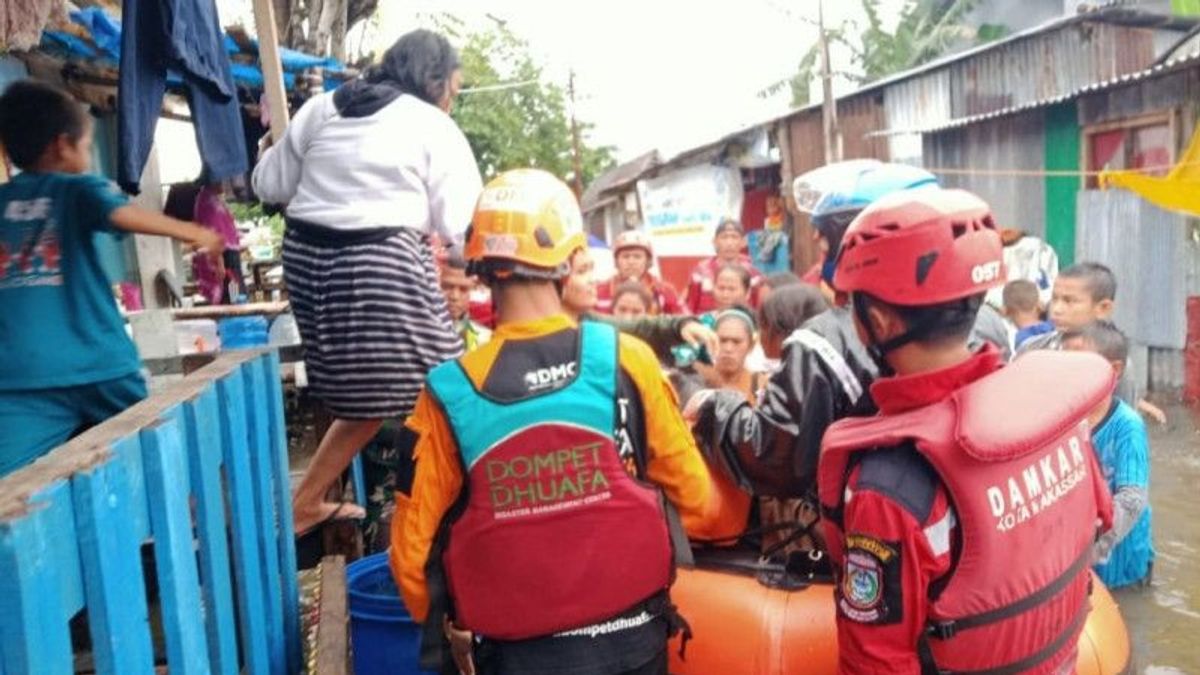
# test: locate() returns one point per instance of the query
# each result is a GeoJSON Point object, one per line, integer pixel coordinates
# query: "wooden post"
{"type": "Point", "coordinates": [576, 159]}
{"type": "Point", "coordinates": [333, 624]}
{"type": "Point", "coordinates": [833, 141]}
{"type": "Point", "coordinates": [272, 67]}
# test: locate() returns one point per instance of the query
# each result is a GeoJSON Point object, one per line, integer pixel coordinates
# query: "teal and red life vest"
{"type": "Point", "coordinates": [553, 533]}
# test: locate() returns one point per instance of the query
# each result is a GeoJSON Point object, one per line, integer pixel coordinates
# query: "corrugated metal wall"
{"type": "Point", "coordinates": [1003, 144]}
{"type": "Point", "coordinates": [1047, 65]}
{"type": "Point", "coordinates": [1152, 256]}
{"type": "Point", "coordinates": [1157, 265]}
{"type": "Point", "coordinates": [912, 104]}
{"type": "Point", "coordinates": [1155, 248]}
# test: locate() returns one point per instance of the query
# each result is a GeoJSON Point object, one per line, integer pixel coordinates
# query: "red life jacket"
{"type": "Point", "coordinates": [552, 533]}
{"type": "Point", "coordinates": [1014, 453]}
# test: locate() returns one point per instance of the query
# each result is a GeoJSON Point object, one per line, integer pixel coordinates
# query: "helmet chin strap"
{"type": "Point", "coordinates": [879, 349]}
{"type": "Point", "coordinates": [876, 349]}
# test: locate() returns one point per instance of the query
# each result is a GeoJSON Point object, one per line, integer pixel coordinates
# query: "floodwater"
{"type": "Point", "coordinates": [1164, 620]}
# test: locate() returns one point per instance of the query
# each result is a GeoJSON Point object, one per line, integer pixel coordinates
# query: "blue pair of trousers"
{"type": "Point", "coordinates": [185, 37]}
{"type": "Point", "coordinates": [35, 421]}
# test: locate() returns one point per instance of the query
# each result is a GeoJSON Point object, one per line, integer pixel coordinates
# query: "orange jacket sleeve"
{"type": "Point", "coordinates": [672, 460]}
{"type": "Point", "coordinates": [436, 485]}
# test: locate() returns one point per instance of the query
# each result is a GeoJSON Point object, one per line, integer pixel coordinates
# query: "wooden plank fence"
{"type": "Point", "coordinates": [200, 471]}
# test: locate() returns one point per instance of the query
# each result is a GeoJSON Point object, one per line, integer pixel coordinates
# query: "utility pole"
{"type": "Point", "coordinates": [578, 162]}
{"type": "Point", "coordinates": [833, 138]}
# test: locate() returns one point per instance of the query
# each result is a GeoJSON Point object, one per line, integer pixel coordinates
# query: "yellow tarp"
{"type": "Point", "coordinates": [1179, 190]}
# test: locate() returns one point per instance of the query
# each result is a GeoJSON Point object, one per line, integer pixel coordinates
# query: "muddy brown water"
{"type": "Point", "coordinates": [1164, 620]}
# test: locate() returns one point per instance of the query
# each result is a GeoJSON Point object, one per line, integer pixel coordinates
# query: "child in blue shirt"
{"type": "Point", "coordinates": [1125, 554]}
{"type": "Point", "coordinates": [1023, 308]}
{"type": "Point", "coordinates": [67, 361]}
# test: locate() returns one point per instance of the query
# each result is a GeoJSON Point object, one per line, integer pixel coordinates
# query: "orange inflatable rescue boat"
{"type": "Point", "coordinates": [744, 622]}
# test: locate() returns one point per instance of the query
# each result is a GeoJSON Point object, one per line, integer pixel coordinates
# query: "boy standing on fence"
{"type": "Point", "coordinates": [1125, 554]}
{"type": "Point", "coordinates": [68, 363]}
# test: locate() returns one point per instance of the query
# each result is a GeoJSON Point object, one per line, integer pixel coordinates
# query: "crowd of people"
{"type": "Point", "coordinates": [532, 538]}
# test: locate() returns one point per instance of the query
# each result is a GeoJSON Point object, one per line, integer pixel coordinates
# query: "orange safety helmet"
{"type": "Point", "coordinates": [633, 239]}
{"type": "Point", "coordinates": [527, 223]}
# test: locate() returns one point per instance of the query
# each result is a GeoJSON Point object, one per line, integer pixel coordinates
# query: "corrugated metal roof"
{"type": "Point", "coordinates": [1177, 63]}
{"type": "Point", "coordinates": [1047, 65]}
{"type": "Point", "coordinates": [921, 100]}
{"type": "Point", "coordinates": [593, 196]}
{"type": "Point", "coordinates": [1117, 15]}
{"type": "Point", "coordinates": [1122, 16]}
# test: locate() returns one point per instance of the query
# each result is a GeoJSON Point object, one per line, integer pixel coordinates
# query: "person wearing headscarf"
{"type": "Point", "coordinates": [369, 173]}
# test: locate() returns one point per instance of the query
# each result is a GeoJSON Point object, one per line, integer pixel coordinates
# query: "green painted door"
{"type": "Point", "coordinates": [1062, 154]}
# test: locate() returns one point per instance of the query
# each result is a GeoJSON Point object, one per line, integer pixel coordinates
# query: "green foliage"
{"type": "Point", "coordinates": [526, 126]}
{"type": "Point", "coordinates": [926, 30]}
{"type": "Point", "coordinates": [256, 213]}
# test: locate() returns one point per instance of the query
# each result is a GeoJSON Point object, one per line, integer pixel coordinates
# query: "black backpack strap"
{"type": "Point", "coordinates": [680, 545]}
{"type": "Point", "coordinates": [435, 649]}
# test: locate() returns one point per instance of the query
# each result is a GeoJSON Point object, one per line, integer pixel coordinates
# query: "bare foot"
{"type": "Point", "coordinates": [306, 518]}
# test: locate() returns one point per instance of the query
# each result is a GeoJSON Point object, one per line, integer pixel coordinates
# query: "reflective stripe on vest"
{"type": "Point", "coordinates": [1015, 458]}
{"type": "Point", "coordinates": [555, 535]}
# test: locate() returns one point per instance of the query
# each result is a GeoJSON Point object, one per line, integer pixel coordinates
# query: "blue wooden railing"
{"type": "Point", "coordinates": [200, 470]}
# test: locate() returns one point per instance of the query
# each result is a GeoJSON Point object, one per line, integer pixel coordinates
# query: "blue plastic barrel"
{"type": "Point", "coordinates": [384, 638]}
{"type": "Point", "coordinates": [243, 332]}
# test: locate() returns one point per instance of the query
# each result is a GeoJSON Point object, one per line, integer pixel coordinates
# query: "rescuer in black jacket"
{"type": "Point", "coordinates": [825, 372]}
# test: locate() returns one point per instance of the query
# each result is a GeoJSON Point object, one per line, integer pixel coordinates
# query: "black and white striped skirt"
{"type": "Point", "coordinates": [372, 318]}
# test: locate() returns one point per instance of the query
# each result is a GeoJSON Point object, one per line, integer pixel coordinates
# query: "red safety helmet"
{"type": "Point", "coordinates": [922, 247]}
{"type": "Point", "coordinates": [633, 239]}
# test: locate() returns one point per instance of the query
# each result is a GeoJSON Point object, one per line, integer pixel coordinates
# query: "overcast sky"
{"type": "Point", "coordinates": [665, 74]}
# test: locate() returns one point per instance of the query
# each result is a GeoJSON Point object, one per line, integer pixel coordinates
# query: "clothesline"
{"type": "Point", "coordinates": [1043, 173]}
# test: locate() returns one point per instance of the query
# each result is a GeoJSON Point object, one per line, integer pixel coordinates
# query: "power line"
{"type": "Point", "coordinates": [1047, 173]}
{"type": "Point", "coordinates": [497, 87]}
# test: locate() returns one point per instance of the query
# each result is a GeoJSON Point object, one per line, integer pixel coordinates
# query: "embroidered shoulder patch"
{"type": "Point", "coordinates": [870, 589]}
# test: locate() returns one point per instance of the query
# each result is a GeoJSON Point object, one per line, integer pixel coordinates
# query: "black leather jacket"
{"type": "Point", "coordinates": [825, 374]}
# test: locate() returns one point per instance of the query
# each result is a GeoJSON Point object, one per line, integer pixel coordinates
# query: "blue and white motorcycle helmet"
{"type": "Point", "coordinates": [835, 193]}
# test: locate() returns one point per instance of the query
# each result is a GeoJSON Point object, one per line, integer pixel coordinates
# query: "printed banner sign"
{"type": "Point", "coordinates": [681, 209]}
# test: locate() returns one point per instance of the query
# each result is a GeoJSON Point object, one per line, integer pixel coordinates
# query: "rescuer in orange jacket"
{"type": "Point", "coordinates": [536, 540]}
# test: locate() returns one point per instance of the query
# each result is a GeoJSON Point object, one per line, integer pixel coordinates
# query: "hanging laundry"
{"type": "Point", "coordinates": [1179, 190]}
{"type": "Point", "coordinates": [185, 37]}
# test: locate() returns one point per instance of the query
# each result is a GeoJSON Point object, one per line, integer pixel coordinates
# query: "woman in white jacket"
{"type": "Point", "coordinates": [369, 172]}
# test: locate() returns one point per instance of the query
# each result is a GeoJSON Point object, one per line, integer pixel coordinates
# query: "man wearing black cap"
{"type": "Point", "coordinates": [729, 241]}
